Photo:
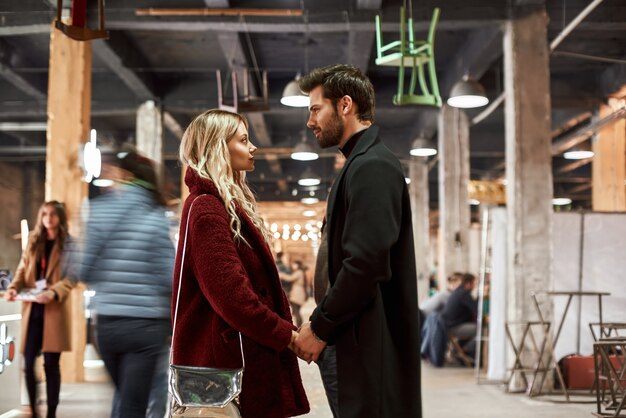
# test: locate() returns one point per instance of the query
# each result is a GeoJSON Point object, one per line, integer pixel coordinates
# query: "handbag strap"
{"type": "Point", "coordinates": [180, 283]}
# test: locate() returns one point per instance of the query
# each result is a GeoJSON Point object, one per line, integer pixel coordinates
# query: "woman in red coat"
{"type": "Point", "coordinates": [230, 283]}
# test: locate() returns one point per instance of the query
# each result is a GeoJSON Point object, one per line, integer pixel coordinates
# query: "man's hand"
{"type": "Point", "coordinates": [307, 346]}
{"type": "Point", "coordinates": [10, 295]}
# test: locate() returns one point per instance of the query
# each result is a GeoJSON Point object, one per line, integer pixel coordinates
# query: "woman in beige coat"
{"type": "Point", "coordinates": [40, 283]}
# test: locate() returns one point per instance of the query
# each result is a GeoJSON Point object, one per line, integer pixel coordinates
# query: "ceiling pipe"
{"type": "Point", "coordinates": [23, 126]}
{"type": "Point", "coordinates": [555, 43]}
{"type": "Point", "coordinates": [489, 109]}
{"type": "Point", "coordinates": [572, 25]}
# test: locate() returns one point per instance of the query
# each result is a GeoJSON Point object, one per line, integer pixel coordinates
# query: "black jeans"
{"type": "Point", "coordinates": [34, 343]}
{"type": "Point", "coordinates": [130, 349]}
{"type": "Point", "coordinates": [327, 363]}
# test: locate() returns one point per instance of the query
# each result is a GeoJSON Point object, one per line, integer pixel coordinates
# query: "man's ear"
{"type": "Point", "coordinates": [346, 105]}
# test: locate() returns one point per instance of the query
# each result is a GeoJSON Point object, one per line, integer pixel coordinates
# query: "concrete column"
{"type": "Point", "coordinates": [69, 113]}
{"type": "Point", "coordinates": [150, 132]}
{"type": "Point", "coordinates": [528, 158]}
{"type": "Point", "coordinates": [609, 163]}
{"type": "Point", "coordinates": [418, 189]}
{"type": "Point", "coordinates": [528, 166]}
{"type": "Point", "coordinates": [454, 210]}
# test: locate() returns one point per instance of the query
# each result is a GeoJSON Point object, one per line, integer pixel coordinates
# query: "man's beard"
{"type": "Point", "coordinates": [332, 134]}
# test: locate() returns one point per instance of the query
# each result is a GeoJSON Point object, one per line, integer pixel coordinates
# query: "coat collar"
{"type": "Point", "coordinates": [363, 144]}
{"type": "Point", "coordinates": [199, 186]}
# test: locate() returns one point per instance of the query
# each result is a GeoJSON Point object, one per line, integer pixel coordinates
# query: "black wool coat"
{"type": "Point", "coordinates": [370, 311]}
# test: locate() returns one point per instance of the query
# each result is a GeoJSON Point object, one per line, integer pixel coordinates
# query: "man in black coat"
{"type": "Point", "coordinates": [369, 312]}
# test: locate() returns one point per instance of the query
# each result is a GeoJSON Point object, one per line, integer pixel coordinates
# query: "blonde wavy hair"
{"type": "Point", "coordinates": [204, 148]}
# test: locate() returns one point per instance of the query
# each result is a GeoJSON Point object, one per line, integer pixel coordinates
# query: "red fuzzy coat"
{"type": "Point", "coordinates": [228, 287]}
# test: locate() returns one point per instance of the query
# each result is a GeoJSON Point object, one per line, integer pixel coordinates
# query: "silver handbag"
{"type": "Point", "coordinates": [205, 392]}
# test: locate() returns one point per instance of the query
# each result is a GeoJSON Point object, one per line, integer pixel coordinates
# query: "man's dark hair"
{"type": "Point", "coordinates": [468, 278]}
{"type": "Point", "coordinates": [339, 80]}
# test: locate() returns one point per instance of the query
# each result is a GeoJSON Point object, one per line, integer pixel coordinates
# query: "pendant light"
{"type": "Point", "coordinates": [303, 151]}
{"type": "Point", "coordinates": [309, 178]}
{"type": "Point", "coordinates": [467, 93]}
{"type": "Point", "coordinates": [422, 147]}
{"type": "Point", "coordinates": [579, 152]}
{"type": "Point", "coordinates": [293, 96]}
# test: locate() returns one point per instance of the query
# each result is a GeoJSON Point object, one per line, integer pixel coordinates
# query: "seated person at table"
{"type": "Point", "coordinates": [459, 314]}
{"type": "Point", "coordinates": [437, 301]}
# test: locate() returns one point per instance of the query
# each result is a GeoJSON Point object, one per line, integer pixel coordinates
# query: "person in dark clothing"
{"type": "Point", "coordinates": [460, 311]}
{"type": "Point", "coordinates": [369, 312]}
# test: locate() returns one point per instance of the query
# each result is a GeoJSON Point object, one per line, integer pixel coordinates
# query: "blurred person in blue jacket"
{"type": "Point", "coordinates": [128, 260]}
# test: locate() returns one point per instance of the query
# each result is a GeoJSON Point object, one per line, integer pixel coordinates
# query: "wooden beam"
{"type": "Point", "coordinates": [582, 134]}
{"type": "Point", "coordinates": [574, 165]}
{"type": "Point", "coordinates": [278, 27]}
{"type": "Point", "coordinates": [609, 165]}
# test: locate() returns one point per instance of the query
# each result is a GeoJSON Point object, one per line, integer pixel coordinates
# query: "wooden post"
{"type": "Point", "coordinates": [609, 164]}
{"type": "Point", "coordinates": [454, 210]}
{"type": "Point", "coordinates": [69, 112]}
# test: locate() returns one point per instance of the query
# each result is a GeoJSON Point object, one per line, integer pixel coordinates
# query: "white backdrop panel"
{"type": "Point", "coordinates": [566, 276]}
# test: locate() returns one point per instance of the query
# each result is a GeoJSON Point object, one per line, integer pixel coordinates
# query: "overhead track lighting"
{"type": "Point", "coordinates": [467, 94]}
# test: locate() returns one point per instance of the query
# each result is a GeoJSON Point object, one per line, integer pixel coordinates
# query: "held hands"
{"type": "Point", "coordinates": [305, 344]}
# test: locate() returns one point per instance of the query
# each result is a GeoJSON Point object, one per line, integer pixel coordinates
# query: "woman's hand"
{"type": "Point", "coordinates": [10, 295]}
{"type": "Point", "coordinates": [46, 296]}
{"type": "Point", "coordinates": [294, 336]}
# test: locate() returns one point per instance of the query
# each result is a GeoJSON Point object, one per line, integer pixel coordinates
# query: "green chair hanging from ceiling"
{"type": "Point", "coordinates": [415, 55]}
